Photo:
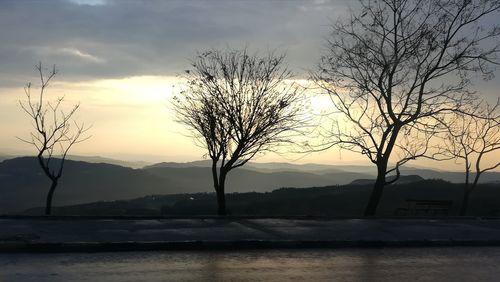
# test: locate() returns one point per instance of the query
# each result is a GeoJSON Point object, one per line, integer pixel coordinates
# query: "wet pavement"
{"type": "Point", "coordinates": [372, 264]}
{"type": "Point", "coordinates": [80, 234]}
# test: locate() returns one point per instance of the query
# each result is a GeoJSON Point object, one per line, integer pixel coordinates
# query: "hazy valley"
{"type": "Point", "coordinates": [23, 186]}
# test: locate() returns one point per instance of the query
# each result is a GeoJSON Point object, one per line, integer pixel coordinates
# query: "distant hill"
{"type": "Point", "coordinates": [268, 167]}
{"type": "Point", "coordinates": [402, 180]}
{"type": "Point", "coordinates": [244, 180]}
{"type": "Point", "coordinates": [97, 159]}
{"type": "Point", "coordinates": [456, 177]}
{"type": "Point", "coordinates": [202, 163]}
{"type": "Point", "coordinates": [23, 184]}
{"type": "Point", "coordinates": [347, 200]}
{"type": "Point", "coordinates": [5, 157]}
{"type": "Point", "coordinates": [91, 159]}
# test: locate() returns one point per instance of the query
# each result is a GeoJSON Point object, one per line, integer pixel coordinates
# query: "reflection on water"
{"type": "Point", "coordinates": [399, 264]}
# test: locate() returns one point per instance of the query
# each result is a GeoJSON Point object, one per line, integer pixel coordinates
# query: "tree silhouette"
{"type": "Point", "coordinates": [238, 105]}
{"type": "Point", "coordinates": [471, 137]}
{"type": "Point", "coordinates": [394, 68]}
{"type": "Point", "coordinates": [55, 131]}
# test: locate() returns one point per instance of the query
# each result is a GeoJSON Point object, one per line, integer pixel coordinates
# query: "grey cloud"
{"type": "Point", "coordinates": [90, 39]}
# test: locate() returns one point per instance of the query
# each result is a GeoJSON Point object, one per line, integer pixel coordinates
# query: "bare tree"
{"type": "Point", "coordinates": [396, 66]}
{"type": "Point", "coordinates": [471, 138]}
{"type": "Point", "coordinates": [238, 105]}
{"type": "Point", "coordinates": [55, 131]}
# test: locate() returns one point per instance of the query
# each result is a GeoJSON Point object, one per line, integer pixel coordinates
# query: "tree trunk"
{"type": "Point", "coordinates": [378, 189]}
{"type": "Point", "coordinates": [467, 191]}
{"type": "Point", "coordinates": [465, 202]}
{"type": "Point", "coordinates": [219, 182]}
{"type": "Point", "coordinates": [48, 204]}
{"type": "Point", "coordinates": [221, 196]}
{"type": "Point", "coordinates": [221, 203]}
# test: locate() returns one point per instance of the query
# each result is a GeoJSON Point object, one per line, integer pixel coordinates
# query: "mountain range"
{"type": "Point", "coordinates": [23, 185]}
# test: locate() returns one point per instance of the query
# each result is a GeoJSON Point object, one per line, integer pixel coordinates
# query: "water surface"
{"type": "Point", "coordinates": [391, 264]}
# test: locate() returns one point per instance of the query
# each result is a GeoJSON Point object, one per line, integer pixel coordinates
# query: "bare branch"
{"type": "Point", "coordinates": [398, 67]}
{"type": "Point", "coordinates": [54, 130]}
{"type": "Point", "coordinates": [240, 105]}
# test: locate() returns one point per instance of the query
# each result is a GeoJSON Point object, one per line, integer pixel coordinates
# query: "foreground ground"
{"type": "Point", "coordinates": [88, 234]}
{"type": "Point", "coordinates": [393, 264]}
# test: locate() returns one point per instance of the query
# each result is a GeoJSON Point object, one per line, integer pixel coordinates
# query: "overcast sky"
{"type": "Point", "coordinates": [96, 39]}
{"type": "Point", "coordinates": [118, 58]}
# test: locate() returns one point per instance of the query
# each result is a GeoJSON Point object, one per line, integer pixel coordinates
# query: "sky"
{"type": "Point", "coordinates": [120, 59]}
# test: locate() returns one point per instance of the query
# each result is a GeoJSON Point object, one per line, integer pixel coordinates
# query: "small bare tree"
{"type": "Point", "coordinates": [55, 131]}
{"type": "Point", "coordinates": [397, 65]}
{"type": "Point", "coordinates": [238, 105]}
{"type": "Point", "coordinates": [471, 137]}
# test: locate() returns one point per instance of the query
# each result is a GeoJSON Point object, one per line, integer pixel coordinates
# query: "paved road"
{"type": "Point", "coordinates": [65, 234]}
{"type": "Point", "coordinates": [393, 264]}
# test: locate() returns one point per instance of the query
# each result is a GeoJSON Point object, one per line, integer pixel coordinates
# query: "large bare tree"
{"type": "Point", "coordinates": [54, 130]}
{"type": "Point", "coordinates": [394, 67]}
{"type": "Point", "coordinates": [471, 138]}
{"type": "Point", "coordinates": [238, 105]}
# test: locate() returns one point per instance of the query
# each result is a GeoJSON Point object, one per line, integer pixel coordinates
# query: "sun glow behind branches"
{"type": "Point", "coordinates": [129, 117]}
{"type": "Point", "coordinates": [132, 120]}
